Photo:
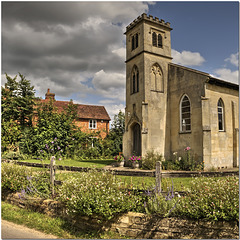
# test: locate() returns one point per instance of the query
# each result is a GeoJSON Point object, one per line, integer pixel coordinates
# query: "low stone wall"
{"type": "Point", "coordinates": [136, 225]}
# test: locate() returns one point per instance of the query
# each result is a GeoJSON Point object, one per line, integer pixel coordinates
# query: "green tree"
{"type": "Point", "coordinates": [18, 100]}
{"type": "Point", "coordinates": [55, 132]}
{"type": "Point", "coordinates": [113, 142]}
{"type": "Point", "coordinates": [26, 101]}
{"type": "Point", "coordinates": [17, 106]}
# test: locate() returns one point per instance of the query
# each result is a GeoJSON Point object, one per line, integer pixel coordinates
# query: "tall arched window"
{"type": "Point", "coordinates": [136, 40]}
{"type": "Point", "coordinates": [154, 39]}
{"type": "Point", "coordinates": [133, 43]}
{"type": "Point", "coordinates": [135, 80]}
{"type": "Point", "coordinates": [220, 107]}
{"type": "Point", "coordinates": [185, 114]}
{"type": "Point", "coordinates": [159, 40]}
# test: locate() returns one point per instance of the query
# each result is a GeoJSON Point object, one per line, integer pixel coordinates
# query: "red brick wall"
{"type": "Point", "coordinates": [102, 126]}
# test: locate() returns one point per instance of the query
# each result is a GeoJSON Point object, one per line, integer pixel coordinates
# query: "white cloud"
{"type": "Point", "coordinates": [121, 52]}
{"type": "Point", "coordinates": [105, 81]}
{"type": "Point", "coordinates": [113, 109]}
{"type": "Point", "coordinates": [227, 75]}
{"type": "Point", "coordinates": [233, 59]}
{"type": "Point", "coordinates": [187, 58]}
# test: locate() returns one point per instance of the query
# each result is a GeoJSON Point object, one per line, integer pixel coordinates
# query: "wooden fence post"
{"type": "Point", "coordinates": [158, 176]}
{"type": "Point", "coordinates": [52, 173]}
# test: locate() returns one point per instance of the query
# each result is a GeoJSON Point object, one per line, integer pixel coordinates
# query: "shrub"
{"type": "Point", "coordinates": [160, 204]}
{"type": "Point", "coordinates": [20, 178]}
{"type": "Point", "coordinates": [14, 177]}
{"type": "Point", "coordinates": [149, 161]}
{"type": "Point", "coordinates": [211, 198]}
{"type": "Point", "coordinates": [97, 193]}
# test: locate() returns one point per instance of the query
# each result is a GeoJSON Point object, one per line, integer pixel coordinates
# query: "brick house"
{"type": "Point", "coordinates": [90, 118]}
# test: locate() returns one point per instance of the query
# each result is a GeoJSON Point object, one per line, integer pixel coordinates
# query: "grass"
{"type": "Point", "coordinates": [180, 184]}
{"type": "Point", "coordinates": [93, 163]}
{"type": "Point", "coordinates": [55, 226]}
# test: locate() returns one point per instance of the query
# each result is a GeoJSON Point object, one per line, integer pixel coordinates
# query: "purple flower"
{"type": "Point", "coordinates": [52, 142]}
{"type": "Point", "coordinates": [46, 146]}
{"type": "Point", "coordinates": [52, 149]}
{"type": "Point", "coordinates": [55, 139]}
{"type": "Point", "coordinates": [58, 148]}
{"type": "Point", "coordinates": [41, 150]}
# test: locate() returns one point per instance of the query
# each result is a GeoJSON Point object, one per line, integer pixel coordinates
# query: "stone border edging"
{"type": "Point", "coordinates": [134, 172]}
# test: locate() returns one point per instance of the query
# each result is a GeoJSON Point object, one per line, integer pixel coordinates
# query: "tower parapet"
{"type": "Point", "coordinates": [148, 18]}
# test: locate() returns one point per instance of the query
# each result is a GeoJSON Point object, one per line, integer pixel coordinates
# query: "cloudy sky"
{"type": "Point", "coordinates": [77, 49]}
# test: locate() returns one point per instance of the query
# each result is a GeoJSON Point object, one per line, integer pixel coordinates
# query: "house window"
{"type": "Point", "coordinates": [220, 115]}
{"type": "Point", "coordinates": [135, 80]}
{"type": "Point", "coordinates": [134, 41]}
{"type": "Point", "coordinates": [185, 114]}
{"type": "Point", "coordinates": [92, 124]}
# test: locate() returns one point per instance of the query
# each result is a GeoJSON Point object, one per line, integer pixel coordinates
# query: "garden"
{"type": "Point", "coordinates": [105, 195]}
{"type": "Point", "coordinates": [34, 133]}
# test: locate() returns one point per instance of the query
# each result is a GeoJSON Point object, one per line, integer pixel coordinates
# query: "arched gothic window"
{"type": "Point", "coordinates": [220, 107]}
{"type": "Point", "coordinates": [134, 41]}
{"type": "Point", "coordinates": [154, 39]}
{"type": "Point", "coordinates": [135, 80]}
{"type": "Point", "coordinates": [159, 40]}
{"type": "Point", "coordinates": [185, 114]}
{"type": "Point", "coordinates": [156, 78]}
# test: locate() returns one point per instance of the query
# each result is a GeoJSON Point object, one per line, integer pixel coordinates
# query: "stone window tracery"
{"type": "Point", "coordinates": [156, 78]}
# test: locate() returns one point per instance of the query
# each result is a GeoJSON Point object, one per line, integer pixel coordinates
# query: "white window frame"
{"type": "Point", "coordinates": [182, 121]}
{"type": "Point", "coordinates": [221, 108]}
{"type": "Point", "coordinates": [92, 124]}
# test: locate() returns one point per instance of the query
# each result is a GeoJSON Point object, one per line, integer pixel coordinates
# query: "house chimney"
{"type": "Point", "coordinates": [49, 95]}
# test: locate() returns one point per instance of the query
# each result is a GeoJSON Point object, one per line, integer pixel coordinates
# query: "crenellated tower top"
{"type": "Point", "coordinates": [148, 18]}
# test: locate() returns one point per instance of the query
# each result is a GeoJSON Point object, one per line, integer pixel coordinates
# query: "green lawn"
{"type": "Point", "coordinates": [179, 184]}
{"type": "Point", "coordinates": [94, 163]}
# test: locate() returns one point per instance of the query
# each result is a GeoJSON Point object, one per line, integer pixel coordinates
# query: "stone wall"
{"type": "Point", "coordinates": [137, 225]}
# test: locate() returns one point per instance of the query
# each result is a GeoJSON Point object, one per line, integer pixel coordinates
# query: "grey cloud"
{"type": "Point", "coordinates": [63, 44]}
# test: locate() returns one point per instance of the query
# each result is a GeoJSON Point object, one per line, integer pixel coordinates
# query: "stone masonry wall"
{"type": "Point", "coordinates": [137, 225]}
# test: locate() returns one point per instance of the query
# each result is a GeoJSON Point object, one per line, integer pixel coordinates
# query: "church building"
{"type": "Point", "coordinates": [170, 107]}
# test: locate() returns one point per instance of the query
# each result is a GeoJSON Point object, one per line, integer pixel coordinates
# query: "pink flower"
{"type": "Point", "coordinates": [187, 149]}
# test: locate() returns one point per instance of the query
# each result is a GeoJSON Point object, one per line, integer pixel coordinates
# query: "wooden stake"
{"type": "Point", "coordinates": [52, 173]}
{"type": "Point", "coordinates": [158, 176]}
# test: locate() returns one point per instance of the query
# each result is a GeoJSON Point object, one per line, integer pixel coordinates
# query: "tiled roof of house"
{"type": "Point", "coordinates": [83, 111]}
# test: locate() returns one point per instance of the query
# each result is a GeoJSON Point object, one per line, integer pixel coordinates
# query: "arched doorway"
{"type": "Point", "coordinates": [136, 140]}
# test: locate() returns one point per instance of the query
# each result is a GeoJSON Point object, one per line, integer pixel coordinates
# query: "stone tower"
{"type": "Point", "coordinates": [148, 46]}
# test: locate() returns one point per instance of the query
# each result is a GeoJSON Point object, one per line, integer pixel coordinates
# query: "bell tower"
{"type": "Point", "coordinates": [148, 53]}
